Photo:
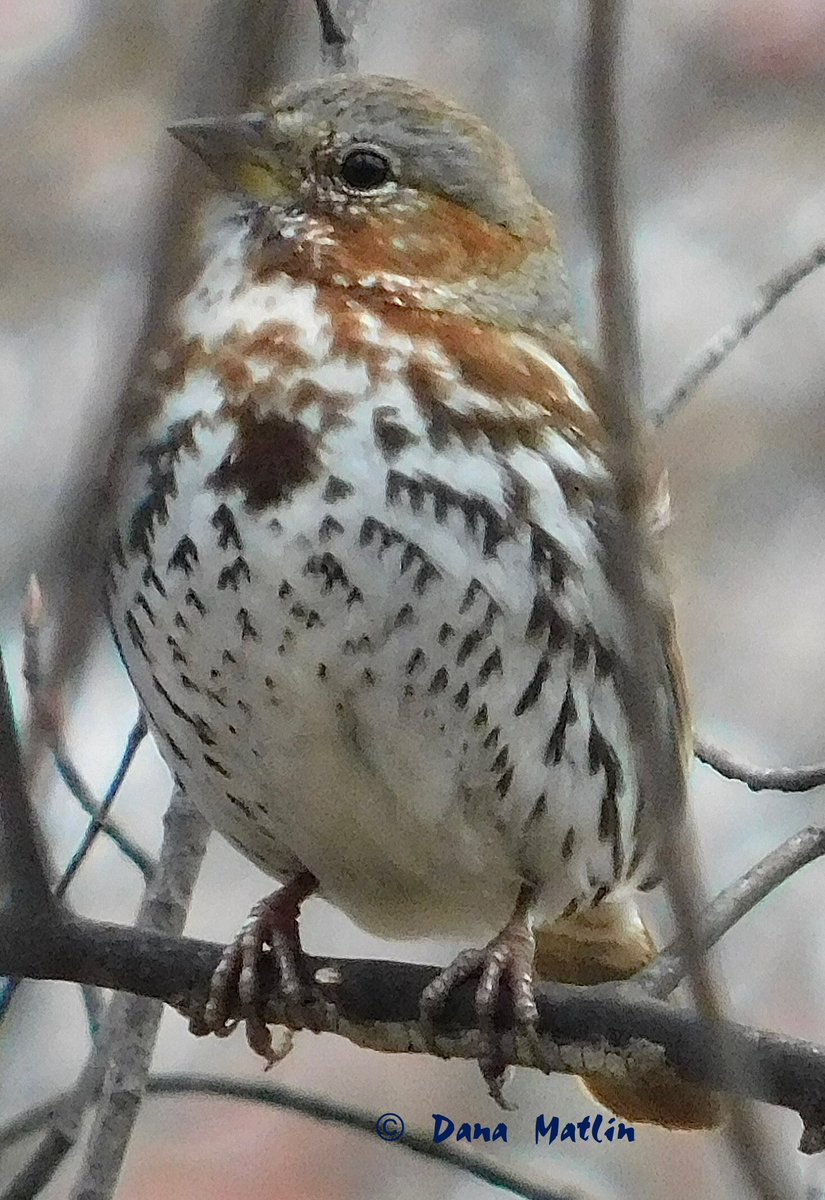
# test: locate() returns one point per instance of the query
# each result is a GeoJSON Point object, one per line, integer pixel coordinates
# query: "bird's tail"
{"type": "Point", "coordinates": [611, 942]}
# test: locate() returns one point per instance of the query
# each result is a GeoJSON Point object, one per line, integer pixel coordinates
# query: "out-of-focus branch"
{"type": "Point", "coordinates": [22, 855]}
{"type": "Point", "coordinates": [760, 779]}
{"type": "Point", "coordinates": [731, 905]}
{"type": "Point", "coordinates": [64, 1118]}
{"type": "Point", "coordinates": [338, 21]}
{"type": "Point", "coordinates": [132, 1021]}
{"type": "Point", "coordinates": [47, 720]}
{"type": "Point", "coordinates": [228, 69]}
{"type": "Point", "coordinates": [118, 1065]}
{"type": "Point", "coordinates": [631, 561]}
{"type": "Point", "coordinates": [318, 1108]}
{"type": "Point", "coordinates": [332, 35]}
{"type": "Point", "coordinates": [717, 349]}
{"type": "Point", "coordinates": [101, 821]}
{"type": "Point", "coordinates": [631, 556]}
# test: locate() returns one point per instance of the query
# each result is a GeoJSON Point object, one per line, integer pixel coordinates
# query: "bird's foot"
{"type": "Point", "coordinates": [506, 960]}
{"type": "Point", "coordinates": [236, 981]}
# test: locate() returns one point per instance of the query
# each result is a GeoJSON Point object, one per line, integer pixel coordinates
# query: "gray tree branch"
{"type": "Point", "coordinates": [132, 1021]}
{"type": "Point", "coordinates": [631, 560]}
{"type": "Point", "coordinates": [23, 860]}
{"type": "Point", "coordinates": [669, 967]}
{"type": "Point", "coordinates": [317, 1108]}
{"type": "Point", "coordinates": [760, 779]}
{"type": "Point", "coordinates": [615, 1028]}
{"type": "Point", "coordinates": [64, 1119]}
{"type": "Point", "coordinates": [725, 340]}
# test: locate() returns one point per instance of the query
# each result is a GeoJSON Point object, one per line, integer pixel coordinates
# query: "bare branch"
{"type": "Point", "coordinates": [46, 709]}
{"type": "Point", "coordinates": [64, 1116]}
{"type": "Point", "coordinates": [132, 1021]}
{"type": "Point", "coordinates": [332, 35]}
{"type": "Point", "coordinates": [669, 967]}
{"type": "Point", "coordinates": [612, 1028]}
{"type": "Point", "coordinates": [760, 779]}
{"type": "Point", "coordinates": [101, 821]}
{"type": "Point", "coordinates": [319, 1109]}
{"type": "Point", "coordinates": [338, 20]}
{"type": "Point", "coordinates": [715, 351]}
{"type": "Point", "coordinates": [23, 858]}
{"type": "Point", "coordinates": [47, 718]}
{"type": "Point", "coordinates": [631, 559]}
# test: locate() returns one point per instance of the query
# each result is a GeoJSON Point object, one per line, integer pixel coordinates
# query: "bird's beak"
{"type": "Point", "coordinates": [241, 152]}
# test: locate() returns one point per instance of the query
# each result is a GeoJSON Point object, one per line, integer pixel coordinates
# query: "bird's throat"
{"type": "Point", "coordinates": [436, 257]}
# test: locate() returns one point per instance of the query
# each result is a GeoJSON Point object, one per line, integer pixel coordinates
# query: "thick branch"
{"type": "Point", "coordinates": [22, 857]}
{"type": "Point", "coordinates": [375, 1004]}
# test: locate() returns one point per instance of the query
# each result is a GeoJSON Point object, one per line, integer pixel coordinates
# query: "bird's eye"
{"type": "Point", "coordinates": [364, 169]}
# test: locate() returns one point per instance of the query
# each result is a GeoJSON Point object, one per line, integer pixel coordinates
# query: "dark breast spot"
{"type": "Point", "coordinates": [269, 459]}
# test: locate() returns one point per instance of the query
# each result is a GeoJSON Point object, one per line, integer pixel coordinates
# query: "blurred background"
{"type": "Point", "coordinates": [725, 146]}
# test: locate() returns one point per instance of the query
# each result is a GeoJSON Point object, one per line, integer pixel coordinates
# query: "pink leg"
{"type": "Point", "coordinates": [506, 959]}
{"type": "Point", "coordinates": [272, 922]}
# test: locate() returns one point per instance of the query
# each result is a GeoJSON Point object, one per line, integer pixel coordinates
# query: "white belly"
{"type": "Point", "coordinates": [346, 677]}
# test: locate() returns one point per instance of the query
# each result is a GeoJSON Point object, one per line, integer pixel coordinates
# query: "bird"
{"type": "Point", "coordinates": [358, 564]}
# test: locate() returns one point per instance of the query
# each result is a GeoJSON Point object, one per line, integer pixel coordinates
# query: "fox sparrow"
{"type": "Point", "coordinates": [359, 577]}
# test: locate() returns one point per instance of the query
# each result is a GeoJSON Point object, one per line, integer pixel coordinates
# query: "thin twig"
{"type": "Point", "coordinates": [47, 717]}
{"type": "Point", "coordinates": [95, 1006]}
{"type": "Point", "coordinates": [132, 1021]}
{"type": "Point", "coordinates": [760, 779]}
{"type": "Point", "coordinates": [338, 20]}
{"type": "Point", "coordinates": [101, 822]}
{"type": "Point", "coordinates": [319, 1109]}
{"type": "Point", "coordinates": [631, 557]}
{"type": "Point", "coordinates": [669, 967]}
{"type": "Point", "coordinates": [46, 707]}
{"type": "Point", "coordinates": [717, 349]}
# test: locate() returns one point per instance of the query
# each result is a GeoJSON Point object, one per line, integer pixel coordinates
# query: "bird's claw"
{"type": "Point", "coordinates": [506, 960]}
{"type": "Point", "coordinates": [235, 987]}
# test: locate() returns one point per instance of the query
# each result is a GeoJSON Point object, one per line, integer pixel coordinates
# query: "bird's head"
{"type": "Point", "coordinates": [371, 183]}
